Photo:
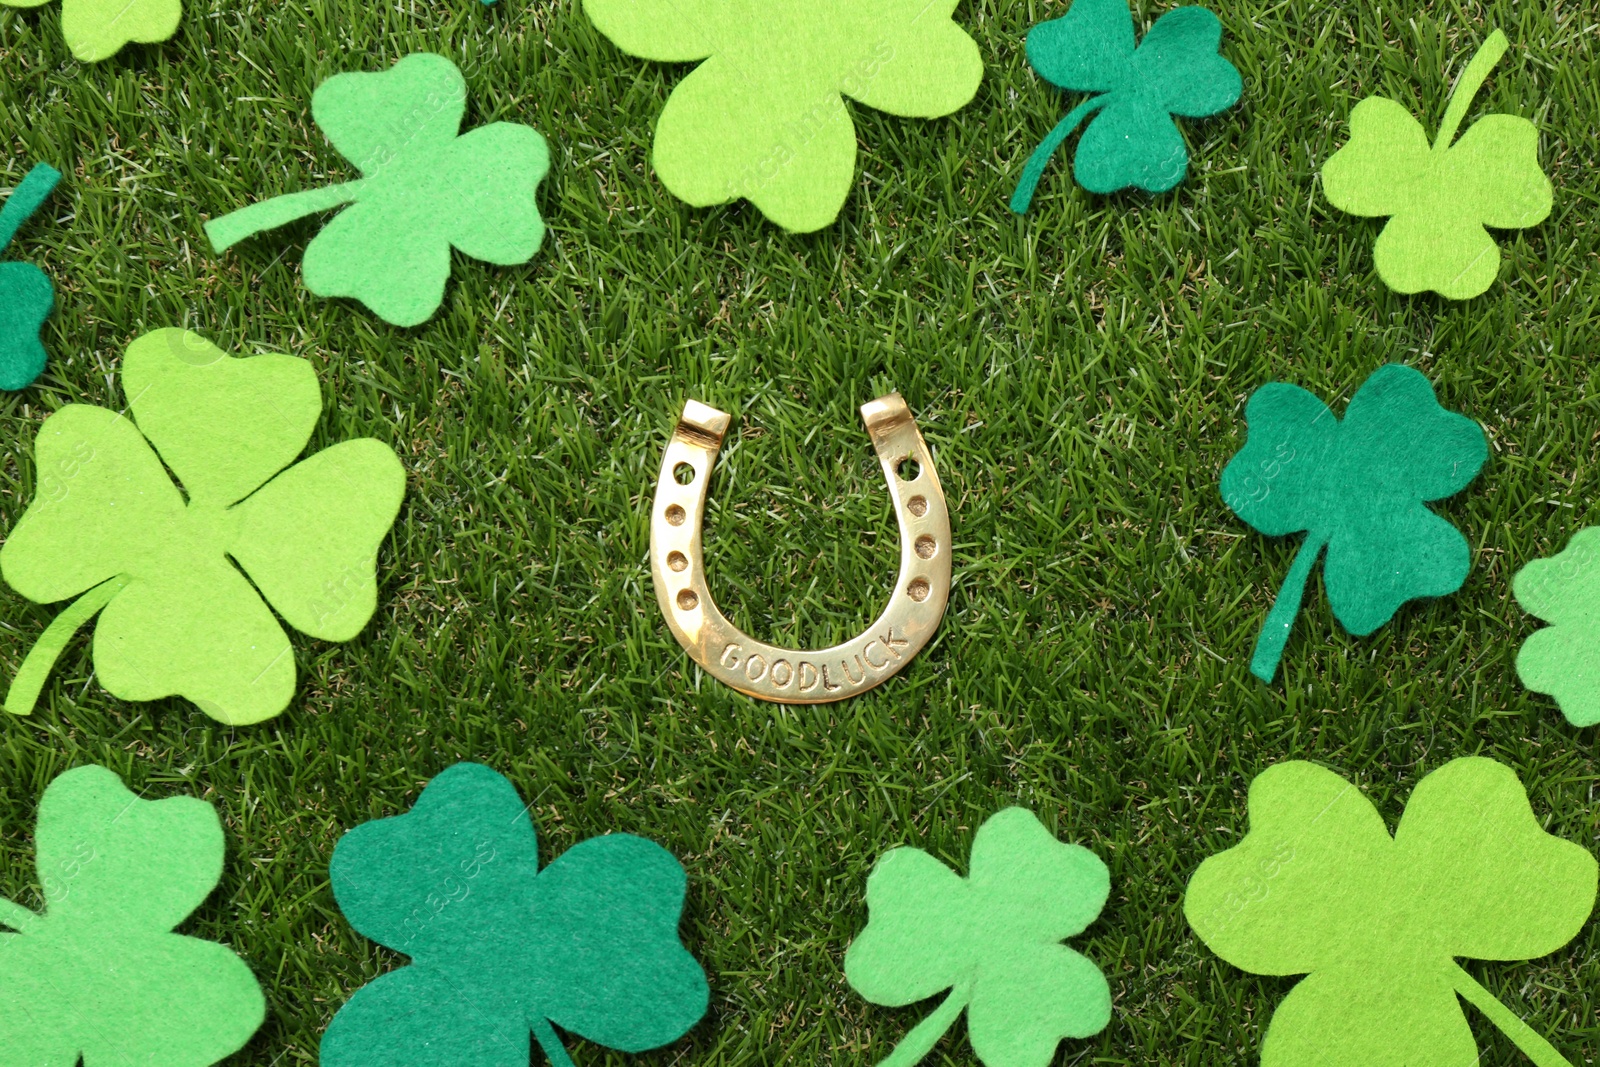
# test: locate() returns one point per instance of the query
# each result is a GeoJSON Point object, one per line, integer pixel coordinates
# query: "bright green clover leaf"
{"type": "Point", "coordinates": [169, 569]}
{"type": "Point", "coordinates": [98, 29]}
{"type": "Point", "coordinates": [1357, 488]}
{"type": "Point", "coordinates": [1561, 659]}
{"type": "Point", "coordinates": [99, 974]}
{"type": "Point", "coordinates": [993, 939]}
{"type": "Point", "coordinates": [1133, 141]}
{"type": "Point", "coordinates": [1440, 198]}
{"type": "Point", "coordinates": [499, 947]}
{"type": "Point", "coordinates": [1318, 887]}
{"type": "Point", "coordinates": [763, 118]}
{"type": "Point", "coordinates": [425, 188]}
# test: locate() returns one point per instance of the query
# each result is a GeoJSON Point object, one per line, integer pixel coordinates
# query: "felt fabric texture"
{"type": "Point", "coordinates": [425, 188]}
{"type": "Point", "coordinates": [498, 947]}
{"type": "Point", "coordinates": [1562, 659]}
{"type": "Point", "coordinates": [179, 616]}
{"type": "Point", "coordinates": [98, 29]}
{"type": "Point", "coordinates": [26, 295]}
{"type": "Point", "coordinates": [1357, 488]}
{"type": "Point", "coordinates": [991, 938]}
{"type": "Point", "coordinates": [763, 117]}
{"type": "Point", "coordinates": [1439, 198]}
{"type": "Point", "coordinates": [1318, 887]}
{"type": "Point", "coordinates": [1132, 141]}
{"type": "Point", "coordinates": [99, 974]}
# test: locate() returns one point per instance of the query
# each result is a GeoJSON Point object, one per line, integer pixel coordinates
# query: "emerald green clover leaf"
{"type": "Point", "coordinates": [26, 295]}
{"type": "Point", "coordinates": [169, 569]}
{"type": "Point", "coordinates": [1560, 659]}
{"type": "Point", "coordinates": [1440, 198]}
{"type": "Point", "coordinates": [98, 29]}
{"type": "Point", "coordinates": [1133, 141]}
{"type": "Point", "coordinates": [1357, 488]}
{"type": "Point", "coordinates": [99, 974]}
{"type": "Point", "coordinates": [1319, 888]}
{"type": "Point", "coordinates": [992, 938]}
{"type": "Point", "coordinates": [763, 117]}
{"type": "Point", "coordinates": [425, 188]}
{"type": "Point", "coordinates": [499, 947]}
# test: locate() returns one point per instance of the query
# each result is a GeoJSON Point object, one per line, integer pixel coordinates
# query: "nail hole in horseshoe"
{"type": "Point", "coordinates": [925, 545]}
{"type": "Point", "coordinates": [918, 506]}
{"type": "Point", "coordinates": [678, 561]}
{"type": "Point", "coordinates": [676, 515]}
{"type": "Point", "coordinates": [683, 473]}
{"type": "Point", "coordinates": [908, 469]}
{"type": "Point", "coordinates": [688, 601]}
{"type": "Point", "coordinates": [917, 590]}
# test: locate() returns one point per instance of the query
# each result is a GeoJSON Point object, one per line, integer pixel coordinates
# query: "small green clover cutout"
{"type": "Point", "coordinates": [1440, 198]}
{"type": "Point", "coordinates": [1319, 888]}
{"type": "Point", "coordinates": [992, 938]}
{"type": "Point", "coordinates": [499, 947]}
{"type": "Point", "coordinates": [763, 117]}
{"type": "Point", "coordinates": [1357, 488]}
{"type": "Point", "coordinates": [99, 974]}
{"type": "Point", "coordinates": [99, 29]}
{"type": "Point", "coordinates": [180, 578]}
{"type": "Point", "coordinates": [1133, 141]}
{"type": "Point", "coordinates": [425, 188]}
{"type": "Point", "coordinates": [1561, 658]}
{"type": "Point", "coordinates": [26, 295]}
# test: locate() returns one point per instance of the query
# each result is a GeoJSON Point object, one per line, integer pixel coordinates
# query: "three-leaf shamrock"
{"type": "Point", "coordinates": [100, 974]}
{"type": "Point", "coordinates": [1175, 70]}
{"type": "Point", "coordinates": [993, 939]}
{"type": "Point", "coordinates": [1357, 488]}
{"type": "Point", "coordinates": [1318, 887]}
{"type": "Point", "coordinates": [425, 188]}
{"type": "Point", "coordinates": [1440, 198]}
{"type": "Point", "coordinates": [98, 29]}
{"type": "Point", "coordinates": [1561, 659]}
{"type": "Point", "coordinates": [763, 118]}
{"type": "Point", "coordinates": [26, 295]}
{"type": "Point", "coordinates": [170, 569]}
{"type": "Point", "coordinates": [499, 947]}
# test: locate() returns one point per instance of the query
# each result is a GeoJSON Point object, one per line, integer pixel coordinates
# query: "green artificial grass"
{"type": "Point", "coordinates": [1080, 374]}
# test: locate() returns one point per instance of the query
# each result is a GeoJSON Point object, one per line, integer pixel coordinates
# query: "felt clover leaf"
{"type": "Point", "coordinates": [1560, 659]}
{"type": "Point", "coordinates": [26, 295]}
{"type": "Point", "coordinates": [499, 947]}
{"type": "Point", "coordinates": [1319, 888]}
{"type": "Point", "coordinates": [992, 938]}
{"type": "Point", "coordinates": [1356, 488]}
{"type": "Point", "coordinates": [763, 117]}
{"type": "Point", "coordinates": [425, 188]}
{"type": "Point", "coordinates": [98, 29]}
{"type": "Point", "coordinates": [1132, 141]}
{"type": "Point", "coordinates": [170, 569]}
{"type": "Point", "coordinates": [1440, 198]}
{"type": "Point", "coordinates": [99, 974]}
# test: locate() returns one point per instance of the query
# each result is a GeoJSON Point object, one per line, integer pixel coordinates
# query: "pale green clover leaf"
{"type": "Point", "coordinates": [763, 117]}
{"type": "Point", "coordinates": [1440, 198]}
{"type": "Point", "coordinates": [1319, 888]}
{"type": "Point", "coordinates": [1561, 659]}
{"type": "Point", "coordinates": [425, 188]}
{"type": "Point", "coordinates": [181, 575]}
{"type": "Point", "coordinates": [992, 938]}
{"type": "Point", "coordinates": [99, 974]}
{"type": "Point", "coordinates": [98, 29]}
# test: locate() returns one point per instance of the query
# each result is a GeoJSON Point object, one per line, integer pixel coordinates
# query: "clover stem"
{"type": "Point", "coordinates": [25, 200]}
{"type": "Point", "coordinates": [554, 1050]}
{"type": "Point", "coordinates": [1023, 197]}
{"type": "Point", "coordinates": [229, 230]}
{"type": "Point", "coordinates": [1484, 59]}
{"type": "Point", "coordinates": [30, 679]}
{"type": "Point", "coordinates": [926, 1034]}
{"type": "Point", "coordinates": [17, 917]}
{"type": "Point", "coordinates": [1525, 1037]}
{"type": "Point", "coordinates": [1280, 620]}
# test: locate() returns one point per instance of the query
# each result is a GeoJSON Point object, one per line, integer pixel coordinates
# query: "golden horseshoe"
{"type": "Point", "coordinates": [791, 676]}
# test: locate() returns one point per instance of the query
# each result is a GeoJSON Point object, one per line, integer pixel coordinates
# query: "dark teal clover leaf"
{"type": "Point", "coordinates": [1356, 487]}
{"type": "Point", "coordinates": [1133, 141]}
{"type": "Point", "coordinates": [498, 947]}
{"type": "Point", "coordinates": [26, 295]}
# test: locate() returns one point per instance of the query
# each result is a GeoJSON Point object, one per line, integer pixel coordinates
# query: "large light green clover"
{"type": "Point", "coordinates": [425, 188]}
{"type": "Point", "coordinates": [1442, 196]}
{"type": "Point", "coordinates": [1319, 888]}
{"type": "Point", "coordinates": [98, 29]}
{"type": "Point", "coordinates": [763, 117]}
{"type": "Point", "coordinates": [169, 569]}
{"type": "Point", "coordinates": [992, 938]}
{"type": "Point", "coordinates": [99, 974]}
